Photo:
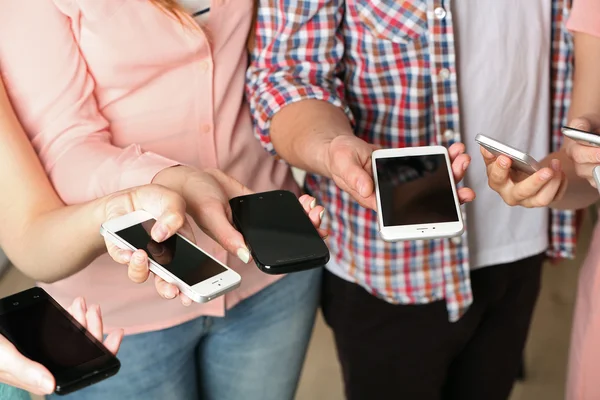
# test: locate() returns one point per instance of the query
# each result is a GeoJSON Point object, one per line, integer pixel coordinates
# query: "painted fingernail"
{"type": "Point", "coordinates": [313, 204]}
{"type": "Point", "coordinates": [243, 254]}
{"type": "Point", "coordinates": [159, 232]}
{"type": "Point", "coordinates": [321, 214]}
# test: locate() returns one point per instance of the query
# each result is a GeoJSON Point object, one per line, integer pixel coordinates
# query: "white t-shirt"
{"type": "Point", "coordinates": [199, 9]}
{"type": "Point", "coordinates": [503, 52]}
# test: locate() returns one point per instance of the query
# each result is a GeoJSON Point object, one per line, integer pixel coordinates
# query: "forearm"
{"type": "Point", "coordinates": [60, 242]}
{"type": "Point", "coordinates": [585, 103]}
{"type": "Point", "coordinates": [301, 131]}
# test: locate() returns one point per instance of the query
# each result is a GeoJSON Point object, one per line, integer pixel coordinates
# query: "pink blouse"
{"type": "Point", "coordinates": [110, 93]}
{"type": "Point", "coordinates": [585, 17]}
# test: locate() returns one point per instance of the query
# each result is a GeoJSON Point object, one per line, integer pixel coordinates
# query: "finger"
{"type": "Point", "coordinates": [323, 233]}
{"type": "Point", "coordinates": [17, 370]}
{"type": "Point", "coordinates": [527, 189]}
{"type": "Point", "coordinates": [213, 219]}
{"type": "Point", "coordinates": [455, 150]}
{"type": "Point", "coordinates": [170, 221]}
{"type": "Point", "coordinates": [316, 216]}
{"type": "Point", "coordinates": [357, 176]}
{"type": "Point", "coordinates": [499, 173]}
{"type": "Point", "coordinates": [165, 289]}
{"type": "Point", "coordinates": [138, 270]}
{"type": "Point", "coordinates": [113, 341]}
{"type": "Point", "coordinates": [94, 321]}
{"type": "Point", "coordinates": [78, 310]}
{"type": "Point", "coordinates": [488, 158]}
{"type": "Point", "coordinates": [460, 165]}
{"type": "Point", "coordinates": [584, 154]}
{"type": "Point", "coordinates": [581, 123]}
{"type": "Point", "coordinates": [119, 255]}
{"type": "Point", "coordinates": [465, 195]}
{"type": "Point", "coordinates": [186, 301]}
{"type": "Point", "coordinates": [308, 202]}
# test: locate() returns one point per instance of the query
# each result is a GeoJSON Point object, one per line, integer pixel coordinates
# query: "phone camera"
{"type": "Point", "coordinates": [16, 303]}
{"type": "Point", "coordinates": [260, 197]}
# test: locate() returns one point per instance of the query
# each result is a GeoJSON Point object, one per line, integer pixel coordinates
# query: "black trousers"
{"type": "Point", "coordinates": [412, 352]}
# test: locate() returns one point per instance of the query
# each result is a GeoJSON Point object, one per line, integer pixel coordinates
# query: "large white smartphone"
{"type": "Point", "coordinates": [521, 161]}
{"type": "Point", "coordinates": [416, 194]}
{"type": "Point", "coordinates": [583, 137]}
{"type": "Point", "coordinates": [176, 260]}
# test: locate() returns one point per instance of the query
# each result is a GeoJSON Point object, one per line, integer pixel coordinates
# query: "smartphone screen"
{"type": "Point", "coordinates": [44, 332]}
{"type": "Point", "coordinates": [277, 229]}
{"type": "Point", "coordinates": [415, 190]}
{"type": "Point", "coordinates": [175, 254]}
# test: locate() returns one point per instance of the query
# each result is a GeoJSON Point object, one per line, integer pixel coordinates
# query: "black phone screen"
{"type": "Point", "coordinates": [415, 190]}
{"type": "Point", "coordinates": [277, 229]}
{"type": "Point", "coordinates": [175, 254]}
{"type": "Point", "coordinates": [44, 333]}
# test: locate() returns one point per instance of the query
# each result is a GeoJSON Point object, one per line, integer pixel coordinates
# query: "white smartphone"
{"type": "Point", "coordinates": [583, 137]}
{"type": "Point", "coordinates": [416, 194]}
{"type": "Point", "coordinates": [176, 260]}
{"type": "Point", "coordinates": [521, 161]}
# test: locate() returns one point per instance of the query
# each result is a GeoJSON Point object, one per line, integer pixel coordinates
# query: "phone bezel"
{"type": "Point", "coordinates": [583, 137]}
{"type": "Point", "coordinates": [201, 292]}
{"type": "Point", "coordinates": [417, 231]}
{"type": "Point", "coordinates": [521, 161]}
{"type": "Point", "coordinates": [75, 378]}
{"type": "Point", "coordinates": [317, 259]}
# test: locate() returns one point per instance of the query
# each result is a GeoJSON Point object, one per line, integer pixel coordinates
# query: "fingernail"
{"type": "Point", "coordinates": [159, 232]}
{"type": "Point", "coordinates": [465, 165]}
{"type": "Point", "coordinates": [555, 165]}
{"type": "Point", "coordinates": [360, 188]}
{"type": "Point", "coordinates": [313, 204]}
{"type": "Point", "coordinates": [321, 214]}
{"type": "Point", "coordinates": [502, 162]}
{"type": "Point", "coordinates": [545, 176]}
{"type": "Point", "coordinates": [243, 254]}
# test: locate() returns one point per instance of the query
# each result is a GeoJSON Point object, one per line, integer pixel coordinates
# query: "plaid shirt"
{"type": "Point", "coordinates": [390, 65]}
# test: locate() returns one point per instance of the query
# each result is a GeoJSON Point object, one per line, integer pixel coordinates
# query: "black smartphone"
{"type": "Point", "coordinates": [279, 234]}
{"type": "Point", "coordinates": [45, 332]}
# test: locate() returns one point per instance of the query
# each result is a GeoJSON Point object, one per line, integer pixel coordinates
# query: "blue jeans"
{"type": "Point", "coordinates": [12, 393]}
{"type": "Point", "coordinates": [255, 352]}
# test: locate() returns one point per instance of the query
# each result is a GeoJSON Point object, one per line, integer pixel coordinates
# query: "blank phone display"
{"type": "Point", "coordinates": [44, 334]}
{"type": "Point", "coordinates": [175, 254]}
{"type": "Point", "coordinates": [415, 190]}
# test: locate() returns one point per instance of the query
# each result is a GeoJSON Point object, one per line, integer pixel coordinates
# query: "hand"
{"type": "Point", "coordinates": [207, 194]}
{"type": "Point", "coordinates": [169, 209]}
{"type": "Point", "coordinates": [349, 165]}
{"type": "Point", "coordinates": [19, 371]}
{"type": "Point", "coordinates": [585, 157]}
{"type": "Point", "coordinates": [518, 188]}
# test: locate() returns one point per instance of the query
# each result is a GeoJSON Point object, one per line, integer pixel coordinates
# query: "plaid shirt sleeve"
{"type": "Point", "coordinates": [297, 48]}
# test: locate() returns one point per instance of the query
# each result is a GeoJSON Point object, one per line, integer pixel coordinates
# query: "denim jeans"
{"type": "Point", "coordinates": [12, 393]}
{"type": "Point", "coordinates": [255, 352]}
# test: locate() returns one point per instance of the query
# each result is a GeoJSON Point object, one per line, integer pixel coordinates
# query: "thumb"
{"type": "Point", "coordinates": [215, 222]}
{"type": "Point", "coordinates": [356, 175]}
{"type": "Point", "coordinates": [581, 123]}
{"type": "Point", "coordinates": [23, 372]}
